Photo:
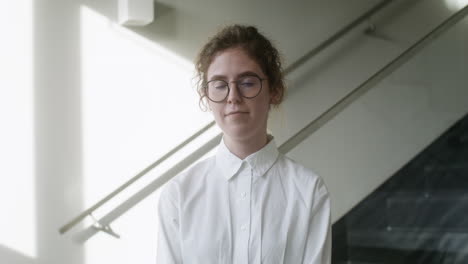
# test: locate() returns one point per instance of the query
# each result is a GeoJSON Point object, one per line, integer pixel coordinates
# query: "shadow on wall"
{"type": "Point", "coordinates": [12, 257]}
{"type": "Point", "coordinates": [57, 117]}
{"type": "Point", "coordinates": [163, 30]}
{"type": "Point", "coordinates": [164, 26]}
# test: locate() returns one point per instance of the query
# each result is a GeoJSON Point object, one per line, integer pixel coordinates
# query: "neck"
{"type": "Point", "coordinates": [244, 147]}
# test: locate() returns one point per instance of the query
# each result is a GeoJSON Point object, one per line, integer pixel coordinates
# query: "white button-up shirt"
{"type": "Point", "coordinates": [263, 209]}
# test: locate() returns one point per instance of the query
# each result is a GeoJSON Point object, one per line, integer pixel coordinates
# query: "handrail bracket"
{"type": "Point", "coordinates": [106, 228]}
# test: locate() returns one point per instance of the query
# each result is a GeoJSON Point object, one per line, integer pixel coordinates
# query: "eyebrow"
{"type": "Point", "coordinates": [242, 74]}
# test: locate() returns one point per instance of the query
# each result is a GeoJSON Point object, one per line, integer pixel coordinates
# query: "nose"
{"type": "Point", "coordinates": [234, 97]}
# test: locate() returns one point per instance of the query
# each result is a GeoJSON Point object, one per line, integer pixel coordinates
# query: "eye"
{"type": "Point", "coordinates": [217, 85]}
{"type": "Point", "coordinates": [248, 82]}
{"type": "Point", "coordinates": [221, 86]}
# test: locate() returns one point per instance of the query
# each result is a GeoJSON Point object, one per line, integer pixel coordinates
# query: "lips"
{"type": "Point", "coordinates": [236, 112]}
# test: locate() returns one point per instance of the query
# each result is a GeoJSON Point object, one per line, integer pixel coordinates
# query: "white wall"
{"type": "Point", "coordinates": [374, 137]}
{"type": "Point", "coordinates": [88, 141]}
{"type": "Point", "coordinates": [59, 153]}
{"type": "Point", "coordinates": [17, 159]}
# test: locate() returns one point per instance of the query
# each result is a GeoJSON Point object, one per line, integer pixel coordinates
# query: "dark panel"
{"type": "Point", "coordinates": [419, 215]}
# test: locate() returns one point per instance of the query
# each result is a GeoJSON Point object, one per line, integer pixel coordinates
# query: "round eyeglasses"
{"type": "Point", "coordinates": [248, 87]}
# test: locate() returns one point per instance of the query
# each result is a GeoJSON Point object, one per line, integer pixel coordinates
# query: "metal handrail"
{"type": "Point", "coordinates": [336, 36]}
{"type": "Point", "coordinates": [288, 70]}
{"type": "Point", "coordinates": [371, 82]}
{"type": "Point", "coordinates": [90, 210]}
{"type": "Point", "coordinates": [294, 140]}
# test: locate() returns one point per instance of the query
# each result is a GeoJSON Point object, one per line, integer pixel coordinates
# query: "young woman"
{"type": "Point", "coordinates": [248, 203]}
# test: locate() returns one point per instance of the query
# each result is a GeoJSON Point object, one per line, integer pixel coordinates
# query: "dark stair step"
{"type": "Point", "coordinates": [356, 262]}
{"type": "Point", "coordinates": [437, 210]}
{"type": "Point", "coordinates": [424, 177]}
{"type": "Point", "coordinates": [447, 210]}
{"type": "Point", "coordinates": [410, 239]}
{"type": "Point", "coordinates": [398, 256]}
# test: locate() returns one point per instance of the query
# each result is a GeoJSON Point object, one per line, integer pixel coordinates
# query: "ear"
{"type": "Point", "coordinates": [275, 97]}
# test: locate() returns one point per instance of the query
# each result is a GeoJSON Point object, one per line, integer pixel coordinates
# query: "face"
{"type": "Point", "coordinates": [239, 118]}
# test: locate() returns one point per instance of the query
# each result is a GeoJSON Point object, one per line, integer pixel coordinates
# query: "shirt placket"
{"type": "Point", "coordinates": [244, 196]}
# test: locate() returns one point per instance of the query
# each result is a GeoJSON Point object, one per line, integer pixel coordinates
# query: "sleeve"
{"type": "Point", "coordinates": [168, 245]}
{"type": "Point", "coordinates": [318, 245]}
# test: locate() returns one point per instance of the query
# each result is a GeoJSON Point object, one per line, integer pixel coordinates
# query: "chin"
{"type": "Point", "coordinates": [238, 132]}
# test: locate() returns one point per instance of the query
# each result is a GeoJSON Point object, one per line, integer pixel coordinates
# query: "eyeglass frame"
{"type": "Point", "coordinates": [237, 87]}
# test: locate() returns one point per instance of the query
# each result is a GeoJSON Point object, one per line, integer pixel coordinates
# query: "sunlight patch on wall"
{"type": "Point", "coordinates": [138, 102]}
{"type": "Point", "coordinates": [17, 193]}
{"type": "Point", "coordinates": [456, 5]}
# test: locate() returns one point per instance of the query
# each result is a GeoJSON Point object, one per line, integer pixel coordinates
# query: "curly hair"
{"type": "Point", "coordinates": [257, 47]}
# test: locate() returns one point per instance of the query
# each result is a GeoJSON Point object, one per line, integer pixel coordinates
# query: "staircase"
{"type": "Point", "coordinates": [419, 215]}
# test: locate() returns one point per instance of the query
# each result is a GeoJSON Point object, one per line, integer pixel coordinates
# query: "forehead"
{"type": "Point", "coordinates": [232, 62]}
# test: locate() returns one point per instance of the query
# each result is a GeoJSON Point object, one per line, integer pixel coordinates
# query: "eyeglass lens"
{"type": "Point", "coordinates": [248, 87]}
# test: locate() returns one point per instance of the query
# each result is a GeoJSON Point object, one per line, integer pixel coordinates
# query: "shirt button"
{"type": "Point", "coordinates": [243, 227]}
{"type": "Point", "coordinates": [243, 194]}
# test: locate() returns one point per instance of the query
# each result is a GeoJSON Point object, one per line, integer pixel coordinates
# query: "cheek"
{"type": "Point", "coordinates": [216, 110]}
{"type": "Point", "coordinates": [263, 107]}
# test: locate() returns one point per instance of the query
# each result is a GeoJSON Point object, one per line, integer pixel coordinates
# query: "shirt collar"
{"type": "Point", "coordinates": [260, 161]}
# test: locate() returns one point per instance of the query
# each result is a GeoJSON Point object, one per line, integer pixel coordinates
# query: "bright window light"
{"type": "Point", "coordinates": [138, 103]}
{"type": "Point", "coordinates": [456, 5]}
{"type": "Point", "coordinates": [17, 188]}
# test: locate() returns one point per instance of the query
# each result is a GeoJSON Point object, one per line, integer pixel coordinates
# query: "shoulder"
{"type": "Point", "coordinates": [196, 173]}
{"type": "Point", "coordinates": [296, 171]}
{"type": "Point", "coordinates": [303, 180]}
{"type": "Point", "coordinates": [188, 179]}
